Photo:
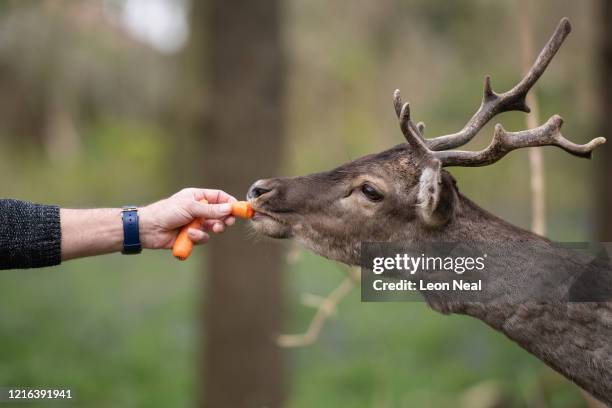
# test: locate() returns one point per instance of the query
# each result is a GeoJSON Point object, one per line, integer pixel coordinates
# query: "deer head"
{"type": "Point", "coordinates": [403, 193]}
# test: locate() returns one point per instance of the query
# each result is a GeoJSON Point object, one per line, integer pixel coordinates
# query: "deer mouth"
{"type": "Point", "coordinates": [270, 223]}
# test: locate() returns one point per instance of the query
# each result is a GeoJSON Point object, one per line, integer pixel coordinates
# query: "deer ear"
{"type": "Point", "coordinates": [436, 195]}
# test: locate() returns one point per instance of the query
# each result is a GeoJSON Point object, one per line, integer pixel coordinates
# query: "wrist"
{"type": "Point", "coordinates": [148, 228]}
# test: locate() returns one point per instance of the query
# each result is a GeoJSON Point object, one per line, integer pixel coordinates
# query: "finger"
{"type": "Point", "coordinates": [198, 237]}
{"type": "Point", "coordinates": [216, 211]}
{"type": "Point", "coordinates": [207, 225]}
{"type": "Point", "coordinates": [229, 221]}
{"type": "Point", "coordinates": [215, 226]}
{"type": "Point", "coordinates": [214, 196]}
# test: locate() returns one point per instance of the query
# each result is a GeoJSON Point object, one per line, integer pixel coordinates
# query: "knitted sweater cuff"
{"type": "Point", "coordinates": [30, 235]}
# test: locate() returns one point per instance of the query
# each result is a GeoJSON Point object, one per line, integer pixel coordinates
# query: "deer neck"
{"type": "Point", "coordinates": [476, 227]}
{"type": "Point", "coordinates": [472, 223]}
{"type": "Point", "coordinates": [571, 338]}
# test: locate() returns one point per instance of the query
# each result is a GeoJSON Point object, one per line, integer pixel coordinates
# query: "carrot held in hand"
{"type": "Point", "coordinates": [183, 245]}
{"type": "Point", "coordinates": [242, 209]}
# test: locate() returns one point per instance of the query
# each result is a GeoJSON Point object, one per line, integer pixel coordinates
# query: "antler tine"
{"type": "Point", "coordinates": [512, 100]}
{"type": "Point", "coordinates": [549, 134]}
{"type": "Point", "coordinates": [421, 128]}
{"type": "Point", "coordinates": [397, 102]}
{"type": "Point", "coordinates": [410, 131]}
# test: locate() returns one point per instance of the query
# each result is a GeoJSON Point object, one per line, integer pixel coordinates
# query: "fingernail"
{"type": "Point", "coordinates": [225, 208]}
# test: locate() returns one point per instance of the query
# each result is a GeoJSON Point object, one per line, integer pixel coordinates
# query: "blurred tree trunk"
{"type": "Point", "coordinates": [605, 99]}
{"type": "Point", "coordinates": [242, 139]}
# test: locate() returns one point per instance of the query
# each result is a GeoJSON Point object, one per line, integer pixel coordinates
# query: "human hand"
{"type": "Point", "coordinates": [160, 222]}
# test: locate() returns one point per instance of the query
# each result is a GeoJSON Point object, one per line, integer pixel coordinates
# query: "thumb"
{"type": "Point", "coordinates": [216, 211]}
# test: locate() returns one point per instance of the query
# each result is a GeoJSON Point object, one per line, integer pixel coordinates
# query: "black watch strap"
{"type": "Point", "coordinates": [131, 233]}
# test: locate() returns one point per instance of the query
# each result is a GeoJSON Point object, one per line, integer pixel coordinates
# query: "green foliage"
{"type": "Point", "coordinates": [118, 160]}
{"type": "Point", "coordinates": [118, 330]}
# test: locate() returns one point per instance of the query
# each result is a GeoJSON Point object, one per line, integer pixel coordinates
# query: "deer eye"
{"type": "Point", "coordinates": [371, 193]}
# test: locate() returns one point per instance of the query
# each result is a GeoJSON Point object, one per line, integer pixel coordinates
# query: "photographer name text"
{"type": "Point", "coordinates": [424, 286]}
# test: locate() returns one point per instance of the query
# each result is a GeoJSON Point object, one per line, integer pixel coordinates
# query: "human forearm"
{"type": "Point", "coordinates": [90, 232]}
{"type": "Point", "coordinates": [99, 231]}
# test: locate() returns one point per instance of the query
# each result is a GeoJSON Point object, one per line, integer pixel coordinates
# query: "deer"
{"type": "Point", "coordinates": [404, 194]}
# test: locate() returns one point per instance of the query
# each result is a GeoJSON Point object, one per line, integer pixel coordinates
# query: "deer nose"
{"type": "Point", "coordinates": [259, 188]}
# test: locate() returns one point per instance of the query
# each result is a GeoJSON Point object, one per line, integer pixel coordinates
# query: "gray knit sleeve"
{"type": "Point", "coordinates": [30, 235]}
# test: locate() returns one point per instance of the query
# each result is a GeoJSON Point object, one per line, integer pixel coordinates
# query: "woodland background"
{"type": "Point", "coordinates": [106, 103]}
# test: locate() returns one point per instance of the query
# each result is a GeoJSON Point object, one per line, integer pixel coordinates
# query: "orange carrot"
{"type": "Point", "coordinates": [183, 245]}
{"type": "Point", "coordinates": [242, 209]}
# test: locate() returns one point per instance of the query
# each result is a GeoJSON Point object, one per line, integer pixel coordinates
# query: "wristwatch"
{"type": "Point", "coordinates": [131, 234]}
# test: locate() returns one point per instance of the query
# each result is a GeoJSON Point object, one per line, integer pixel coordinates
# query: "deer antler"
{"type": "Point", "coordinates": [513, 100]}
{"type": "Point", "coordinates": [411, 132]}
{"type": "Point", "coordinates": [549, 134]}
